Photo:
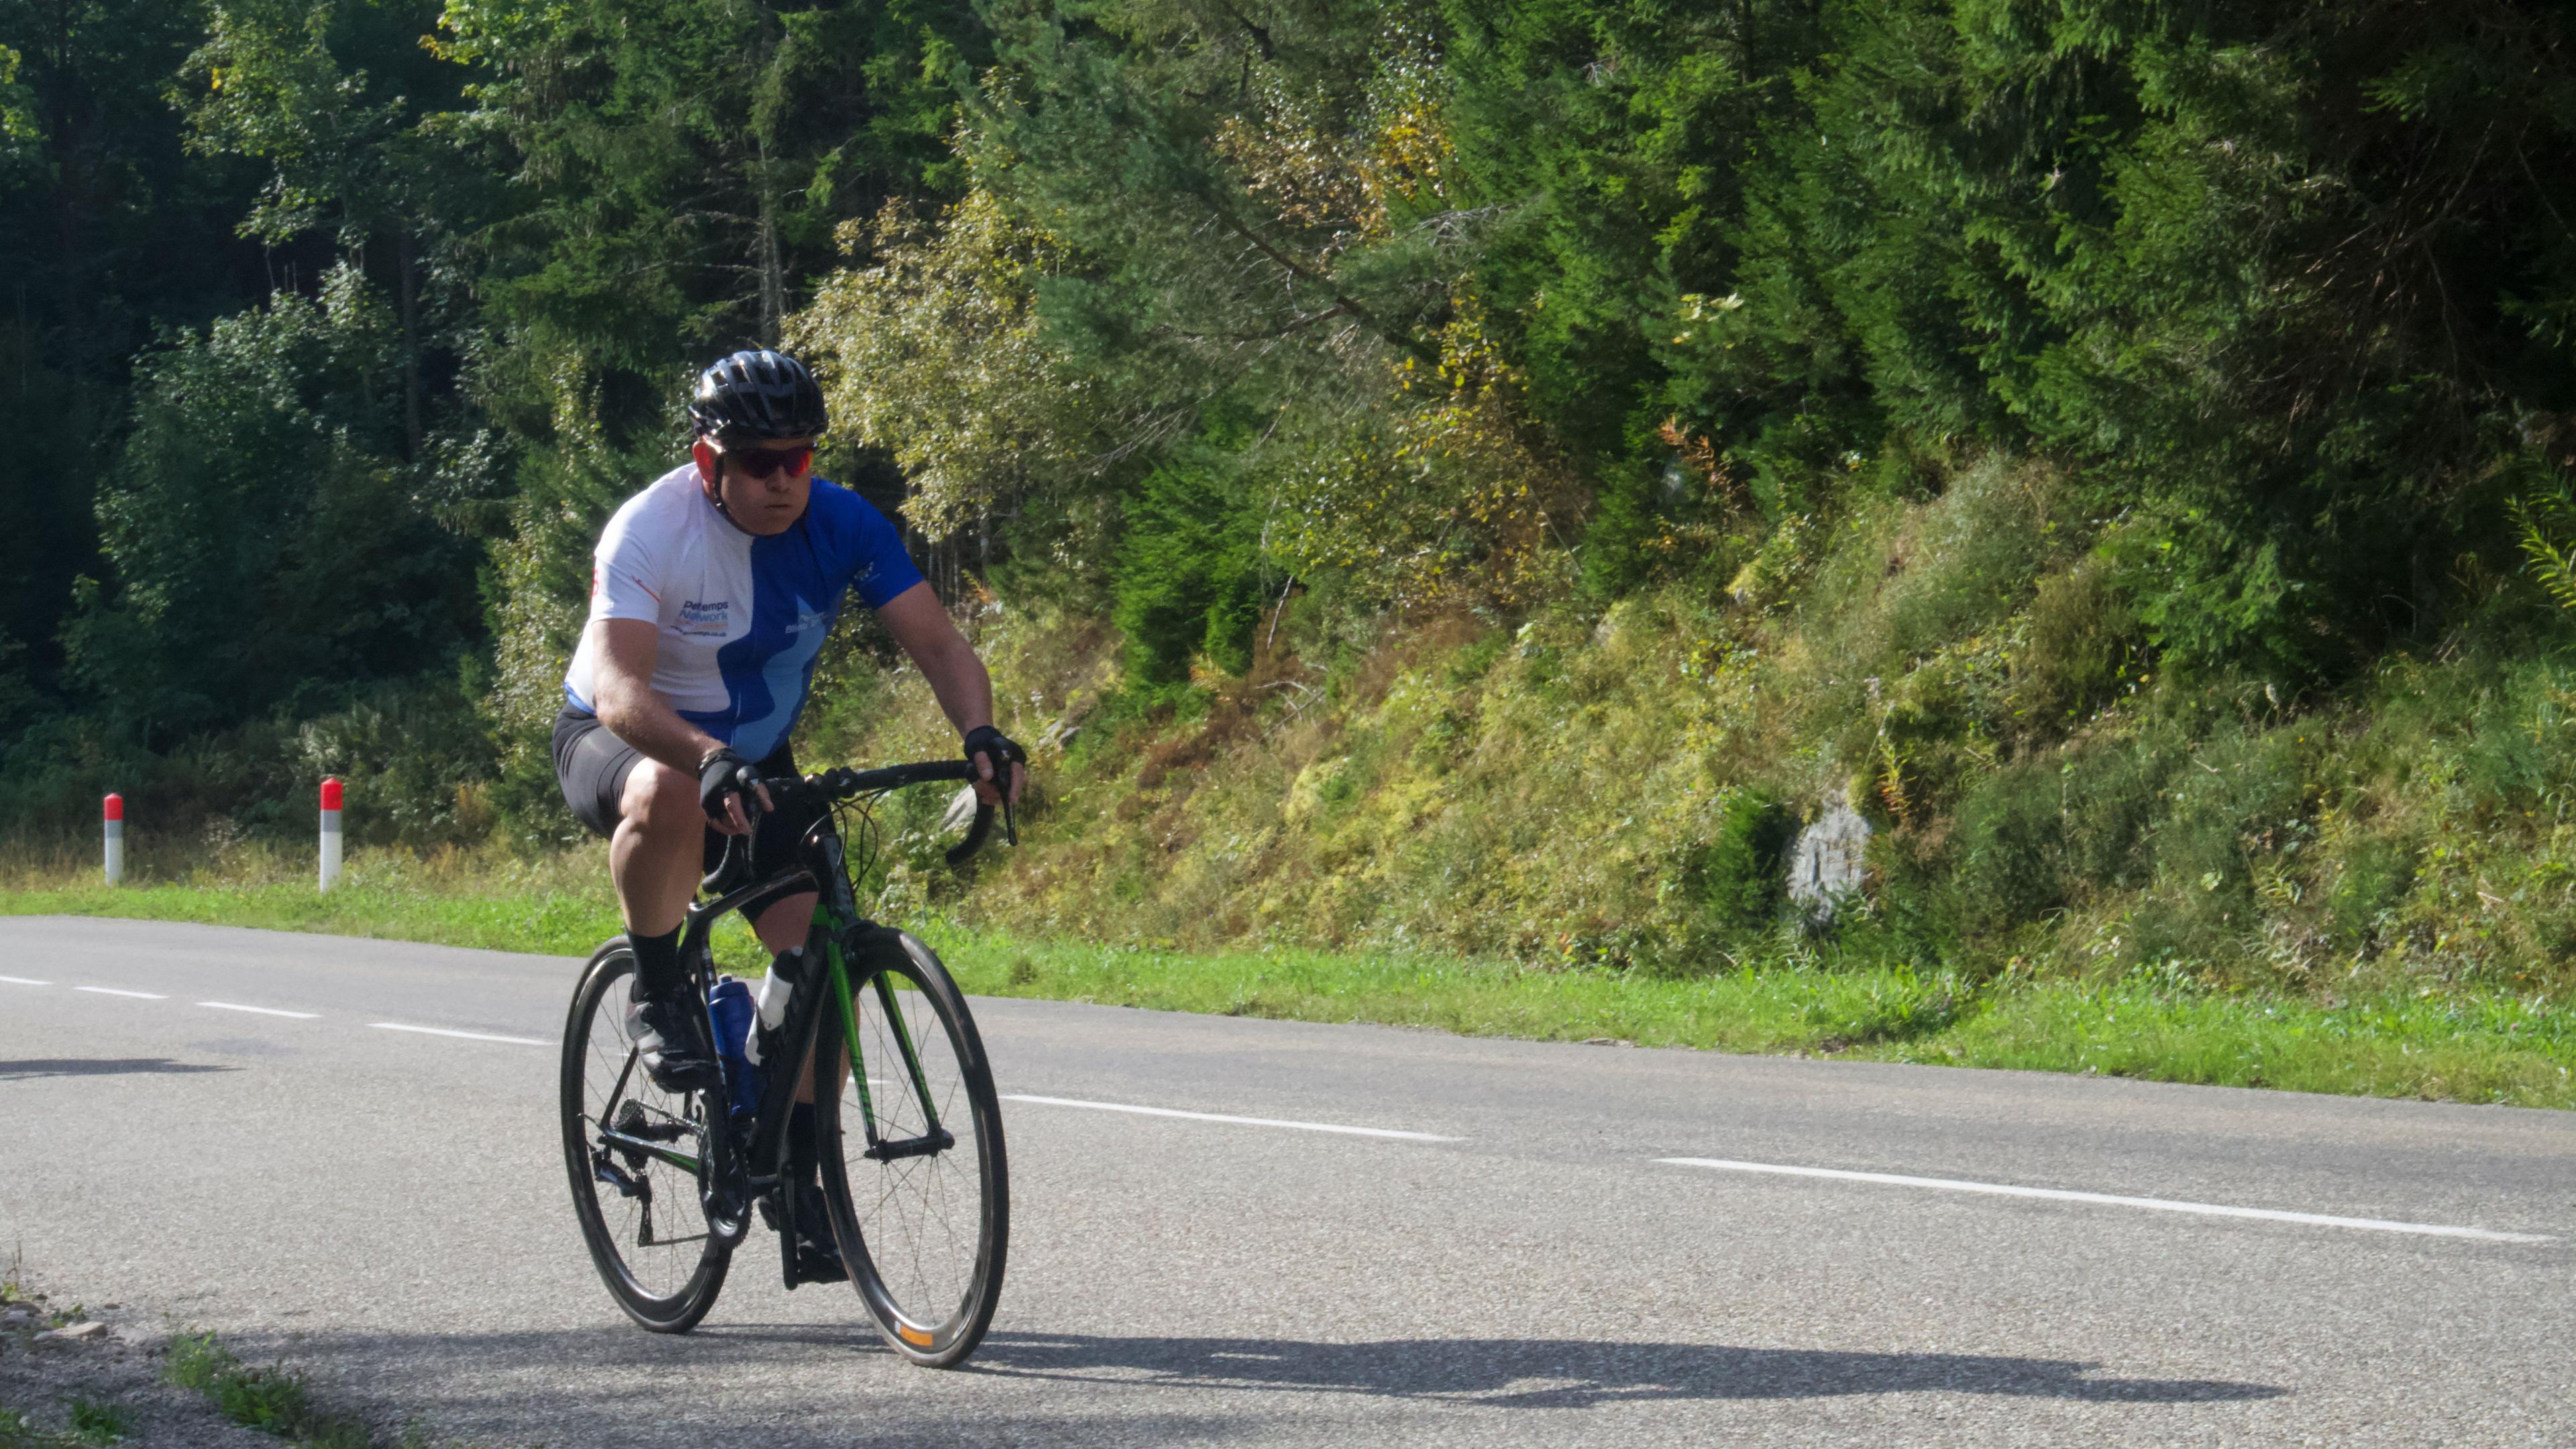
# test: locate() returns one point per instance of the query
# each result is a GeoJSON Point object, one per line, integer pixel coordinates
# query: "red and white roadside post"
{"type": "Point", "coordinates": [330, 831]}
{"type": "Point", "coordinates": [115, 823]}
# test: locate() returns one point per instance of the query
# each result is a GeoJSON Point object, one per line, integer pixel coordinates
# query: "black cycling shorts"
{"type": "Point", "coordinates": [591, 766]}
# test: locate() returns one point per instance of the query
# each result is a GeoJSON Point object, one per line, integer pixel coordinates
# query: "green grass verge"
{"type": "Point", "coordinates": [273, 1400]}
{"type": "Point", "coordinates": [545, 924]}
{"type": "Point", "coordinates": [560, 907]}
{"type": "Point", "coordinates": [2462, 1044]}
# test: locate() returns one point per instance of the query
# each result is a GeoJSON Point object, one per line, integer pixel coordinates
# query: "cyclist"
{"type": "Point", "coordinates": [711, 593]}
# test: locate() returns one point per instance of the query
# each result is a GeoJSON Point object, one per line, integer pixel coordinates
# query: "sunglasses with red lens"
{"type": "Point", "coordinates": [762, 462]}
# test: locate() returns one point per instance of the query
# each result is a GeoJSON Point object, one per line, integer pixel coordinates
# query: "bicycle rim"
{"type": "Point", "coordinates": [640, 1214]}
{"type": "Point", "coordinates": [924, 1235]}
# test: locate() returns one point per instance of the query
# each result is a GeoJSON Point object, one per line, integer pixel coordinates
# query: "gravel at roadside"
{"type": "Point", "coordinates": [55, 1359]}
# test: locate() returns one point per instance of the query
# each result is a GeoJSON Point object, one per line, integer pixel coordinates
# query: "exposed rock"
{"type": "Point", "coordinates": [75, 1332]}
{"type": "Point", "coordinates": [1826, 864]}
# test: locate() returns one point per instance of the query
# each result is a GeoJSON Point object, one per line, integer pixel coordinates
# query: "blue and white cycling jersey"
{"type": "Point", "coordinates": [742, 618]}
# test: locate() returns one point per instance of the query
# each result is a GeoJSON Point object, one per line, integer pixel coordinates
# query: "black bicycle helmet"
{"type": "Point", "coordinates": [757, 395]}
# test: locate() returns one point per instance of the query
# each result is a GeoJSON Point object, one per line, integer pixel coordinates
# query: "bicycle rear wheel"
{"type": "Point", "coordinates": [640, 1213]}
{"type": "Point", "coordinates": [911, 1152]}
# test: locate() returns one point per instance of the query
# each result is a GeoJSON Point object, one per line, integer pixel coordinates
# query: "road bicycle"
{"type": "Point", "coordinates": [909, 1142]}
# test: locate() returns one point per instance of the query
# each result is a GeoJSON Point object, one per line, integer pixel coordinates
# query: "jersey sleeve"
{"type": "Point", "coordinates": [881, 568]}
{"type": "Point", "coordinates": [624, 580]}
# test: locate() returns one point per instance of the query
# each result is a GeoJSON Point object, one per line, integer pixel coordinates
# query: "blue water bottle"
{"type": "Point", "coordinates": [729, 1003]}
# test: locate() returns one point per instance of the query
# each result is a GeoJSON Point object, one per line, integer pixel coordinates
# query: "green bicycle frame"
{"type": "Point", "coordinates": [903, 1042]}
{"type": "Point", "coordinates": [835, 917]}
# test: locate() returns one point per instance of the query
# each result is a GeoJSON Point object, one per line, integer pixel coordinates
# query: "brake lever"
{"type": "Point", "coordinates": [736, 862]}
{"type": "Point", "coordinates": [729, 868]}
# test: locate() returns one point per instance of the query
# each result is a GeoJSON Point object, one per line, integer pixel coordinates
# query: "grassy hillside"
{"type": "Point", "coordinates": [1576, 825]}
{"type": "Point", "coordinates": [1614, 789]}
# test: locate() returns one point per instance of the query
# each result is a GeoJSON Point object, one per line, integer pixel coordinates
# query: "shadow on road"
{"type": "Point", "coordinates": [100, 1067]}
{"type": "Point", "coordinates": [611, 1385]}
{"type": "Point", "coordinates": [776, 1386]}
{"type": "Point", "coordinates": [1568, 1374]}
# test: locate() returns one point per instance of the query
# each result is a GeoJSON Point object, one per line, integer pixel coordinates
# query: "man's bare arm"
{"type": "Point", "coordinates": [622, 688]}
{"type": "Point", "coordinates": [965, 692]}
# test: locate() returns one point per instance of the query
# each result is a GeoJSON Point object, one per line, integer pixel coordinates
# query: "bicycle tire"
{"type": "Point", "coordinates": [931, 1296]}
{"type": "Point", "coordinates": [664, 1291]}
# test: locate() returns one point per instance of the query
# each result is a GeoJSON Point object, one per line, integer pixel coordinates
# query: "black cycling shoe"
{"type": "Point", "coordinates": [818, 1256]}
{"type": "Point", "coordinates": [672, 1040]}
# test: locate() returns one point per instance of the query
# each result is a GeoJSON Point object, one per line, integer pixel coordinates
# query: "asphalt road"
{"type": "Point", "coordinates": [388, 1208]}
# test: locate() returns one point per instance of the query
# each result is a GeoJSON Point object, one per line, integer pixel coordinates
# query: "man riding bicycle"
{"type": "Point", "coordinates": [711, 594]}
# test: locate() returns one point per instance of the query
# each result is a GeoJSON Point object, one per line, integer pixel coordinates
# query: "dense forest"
{"type": "Point", "coordinates": [1476, 475]}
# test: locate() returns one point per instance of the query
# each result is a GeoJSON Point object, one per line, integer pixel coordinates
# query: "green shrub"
{"type": "Point", "coordinates": [95, 1423]}
{"type": "Point", "coordinates": [1616, 555]}
{"type": "Point", "coordinates": [1470, 665]}
{"type": "Point", "coordinates": [2011, 836]}
{"type": "Point", "coordinates": [261, 536]}
{"type": "Point", "coordinates": [414, 753]}
{"type": "Point", "coordinates": [1938, 726]}
{"type": "Point", "coordinates": [1965, 560]}
{"type": "Point", "coordinates": [1740, 875]}
{"type": "Point", "coordinates": [273, 1401]}
{"type": "Point", "coordinates": [2236, 800]}
{"type": "Point", "coordinates": [2081, 637]}
{"type": "Point", "coordinates": [1188, 580]}
{"type": "Point", "coordinates": [2370, 883]}
{"type": "Point", "coordinates": [2112, 794]}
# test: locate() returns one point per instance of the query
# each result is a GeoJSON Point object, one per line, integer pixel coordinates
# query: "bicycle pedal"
{"type": "Point", "coordinates": [814, 1265]}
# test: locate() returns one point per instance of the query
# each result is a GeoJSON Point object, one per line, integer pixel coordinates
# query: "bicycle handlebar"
{"type": "Point", "coordinates": [835, 786]}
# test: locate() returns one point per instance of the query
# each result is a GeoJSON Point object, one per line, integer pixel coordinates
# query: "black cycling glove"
{"type": "Point", "coordinates": [720, 774]}
{"type": "Point", "coordinates": [995, 745]}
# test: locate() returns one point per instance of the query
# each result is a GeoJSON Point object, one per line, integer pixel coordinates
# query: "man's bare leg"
{"type": "Point", "coordinates": [782, 927]}
{"type": "Point", "coordinates": [657, 853]}
{"type": "Point", "coordinates": [654, 858]}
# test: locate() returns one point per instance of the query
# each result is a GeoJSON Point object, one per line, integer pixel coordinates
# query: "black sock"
{"type": "Point", "coordinates": [800, 1142]}
{"type": "Point", "coordinates": [657, 963]}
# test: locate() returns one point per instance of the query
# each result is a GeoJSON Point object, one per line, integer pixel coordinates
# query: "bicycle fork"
{"type": "Point", "coordinates": [934, 1138]}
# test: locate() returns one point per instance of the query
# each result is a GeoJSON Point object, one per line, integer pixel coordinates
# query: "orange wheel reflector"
{"type": "Point", "coordinates": [913, 1336]}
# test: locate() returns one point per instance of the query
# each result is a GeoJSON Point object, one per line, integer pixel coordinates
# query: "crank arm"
{"type": "Point", "coordinates": [929, 1145]}
{"type": "Point", "coordinates": [625, 1142]}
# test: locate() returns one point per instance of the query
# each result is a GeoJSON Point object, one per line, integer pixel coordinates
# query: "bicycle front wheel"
{"type": "Point", "coordinates": [910, 1148]}
{"type": "Point", "coordinates": [628, 1146]}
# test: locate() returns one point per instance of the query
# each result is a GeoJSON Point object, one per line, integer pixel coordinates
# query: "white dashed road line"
{"type": "Point", "coordinates": [1942, 1184]}
{"type": "Point", "coordinates": [297, 1015]}
{"type": "Point", "coordinates": [2104, 1199]}
{"type": "Point", "coordinates": [1237, 1121]}
{"type": "Point", "coordinates": [463, 1035]}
